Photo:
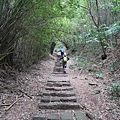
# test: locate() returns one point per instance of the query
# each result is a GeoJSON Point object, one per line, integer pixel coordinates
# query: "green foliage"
{"type": "Point", "coordinates": [66, 21]}
{"type": "Point", "coordinates": [58, 46]}
{"type": "Point", "coordinates": [72, 66]}
{"type": "Point", "coordinates": [114, 66]}
{"type": "Point", "coordinates": [105, 83]}
{"type": "Point", "coordinates": [99, 75]}
{"type": "Point", "coordinates": [115, 89]}
{"type": "Point", "coordinates": [116, 7]}
{"type": "Point", "coordinates": [113, 29]}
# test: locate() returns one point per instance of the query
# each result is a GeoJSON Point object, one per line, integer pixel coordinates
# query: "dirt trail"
{"type": "Point", "coordinates": [30, 85]}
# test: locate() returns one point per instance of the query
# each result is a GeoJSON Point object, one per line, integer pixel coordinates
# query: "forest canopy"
{"type": "Point", "coordinates": [28, 28]}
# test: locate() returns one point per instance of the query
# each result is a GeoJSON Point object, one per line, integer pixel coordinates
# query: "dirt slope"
{"type": "Point", "coordinates": [20, 98]}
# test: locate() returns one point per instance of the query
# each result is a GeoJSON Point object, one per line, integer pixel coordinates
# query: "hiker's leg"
{"type": "Point", "coordinates": [62, 54]}
{"type": "Point", "coordinates": [64, 67]}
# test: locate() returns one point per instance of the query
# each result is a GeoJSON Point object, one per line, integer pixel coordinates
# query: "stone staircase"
{"type": "Point", "coordinates": [59, 95]}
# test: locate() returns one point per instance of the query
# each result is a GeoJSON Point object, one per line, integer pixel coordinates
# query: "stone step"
{"type": "Point", "coordinates": [57, 69]}
{"type": "Point", "coordinates": [40, 117]}
{"type": "Point", "coordinates": [59, 93]}
{"type": "Point", "coordinates": [55, 106]}
{"type": "Point", "coordinates": [59, 80]}
{"type": "Point", "coordinates": [66, 116]}
{"type": "Point", "coordinates": [79, 116]}
{"type": "Point", "coordinates": [53, 117]}
{"type": "Point", "coordinates": [59, 88]}
{"type": "Point", "coordinates": [58, 84]}
{"type": "Point", "coordinates": [59, 73]}
{"type": "Point", "coordinates": [58, 99]}
{"type": "Point", "coordinates": [58, 63]}
{"type": "Point", "coordinates": [61, 116]}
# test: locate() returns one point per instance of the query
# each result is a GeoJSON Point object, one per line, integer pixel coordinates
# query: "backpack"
{"type": "Point", "coordinates": [65, 59]}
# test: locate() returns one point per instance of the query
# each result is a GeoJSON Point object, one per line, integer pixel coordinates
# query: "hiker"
{"type": "Point", "coordinates": [62, 51]}
{"type": "Point", "coordinates": [65, 58]}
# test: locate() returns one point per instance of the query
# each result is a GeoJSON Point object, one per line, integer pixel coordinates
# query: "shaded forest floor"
{"type": "Point", "coordinates": [20, 96]}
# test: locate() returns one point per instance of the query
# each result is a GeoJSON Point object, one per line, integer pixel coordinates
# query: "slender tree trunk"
{"type": "Point", "coordinates": [52, 47]}
{"type": "Point", "coordinates": [97, 24]}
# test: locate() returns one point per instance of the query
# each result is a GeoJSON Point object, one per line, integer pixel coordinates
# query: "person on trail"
{"type": "Point", "coordinates": [62, 51]}
{"type": "Point", "coordinates": [65, 58]}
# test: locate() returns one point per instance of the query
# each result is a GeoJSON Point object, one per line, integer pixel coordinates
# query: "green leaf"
{"type": "Point", "coordinates": [99, 75]}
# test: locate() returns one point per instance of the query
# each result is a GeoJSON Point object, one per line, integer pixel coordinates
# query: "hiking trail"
{"type": "Point", "coordinates": [59, 95]}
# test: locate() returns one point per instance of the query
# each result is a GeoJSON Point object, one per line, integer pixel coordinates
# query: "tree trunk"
{"type": "Point", "coordinates": [52, 47]}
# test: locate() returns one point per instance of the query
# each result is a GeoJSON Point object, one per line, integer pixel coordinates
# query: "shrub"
{"type": "Point", "coordinates": [115, 89]}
